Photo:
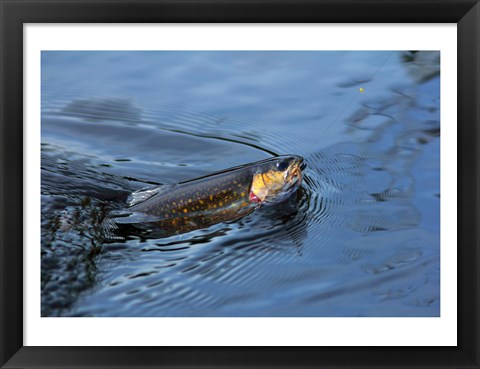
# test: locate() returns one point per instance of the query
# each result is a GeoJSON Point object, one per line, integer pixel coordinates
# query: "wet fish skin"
{"type": "Point", "coordinates": [199, 203]}
{"type": "Point", "coordinates": [223, 192]}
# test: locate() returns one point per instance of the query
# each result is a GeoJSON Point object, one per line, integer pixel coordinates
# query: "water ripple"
{"type": "Point", "coordinates": [352, 241]}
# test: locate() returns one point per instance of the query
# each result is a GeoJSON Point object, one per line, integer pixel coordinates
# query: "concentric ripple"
{"type": "Point", "coordinates": [358, 238]}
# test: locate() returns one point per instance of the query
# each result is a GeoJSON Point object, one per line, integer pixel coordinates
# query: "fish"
{"type": "Point", "coordinates": [222, 196]}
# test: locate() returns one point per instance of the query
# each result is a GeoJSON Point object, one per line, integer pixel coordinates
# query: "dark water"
{"type": "Point", "coordinates": [360, 238]}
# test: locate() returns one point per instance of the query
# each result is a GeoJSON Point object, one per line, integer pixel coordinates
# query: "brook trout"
{"type": "Point", "coordinates": [221, 196]}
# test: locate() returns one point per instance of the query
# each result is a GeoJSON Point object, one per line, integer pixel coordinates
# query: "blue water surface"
{"type": "Point", "coordinates": [360, 238]}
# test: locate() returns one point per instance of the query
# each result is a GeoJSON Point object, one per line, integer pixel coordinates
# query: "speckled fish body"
{"type": "Point", "coordinates": [221, 196]}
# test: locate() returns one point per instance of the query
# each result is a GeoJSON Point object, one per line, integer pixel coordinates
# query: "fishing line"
{"type": "Point", "coordinates": [361, 90]}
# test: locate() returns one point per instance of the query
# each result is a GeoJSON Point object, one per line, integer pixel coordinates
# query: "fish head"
{"type": "Point", "coordinates": [276, 179]}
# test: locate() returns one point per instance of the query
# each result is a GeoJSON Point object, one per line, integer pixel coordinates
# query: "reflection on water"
{"type": "Point", "coordinates": [360, 238]}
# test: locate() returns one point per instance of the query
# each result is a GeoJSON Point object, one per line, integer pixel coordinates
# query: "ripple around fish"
{"type": "Point", "coordinates": [205, 272]}
{"type": "Point", "coordinates": [339, 179]}
{"type": "Point", "coordinates": [209, 121]}
{"type": "Point", "coordinates": [64, 171]}
{"type": "Point", "coordinates": [232, 265]}
{"type": "Point", "coordinates": [229, 258]}
{"type": "Point", "coordinates": [201, 123]}
{"type": "Point", "coordinates": [103, 109]}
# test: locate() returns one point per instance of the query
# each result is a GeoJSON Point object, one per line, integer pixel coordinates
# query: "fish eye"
{"type": "Point", "coordinates": [282, 165]}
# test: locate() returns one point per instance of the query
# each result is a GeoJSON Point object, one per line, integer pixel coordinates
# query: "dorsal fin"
{"type": "Point", "coordinates": [146, 193]}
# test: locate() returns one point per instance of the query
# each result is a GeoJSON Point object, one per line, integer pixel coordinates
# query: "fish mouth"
{"type": "Point", "coordinates": [297, 168]}
{"type": "Point", "coordinates": [300, 162]}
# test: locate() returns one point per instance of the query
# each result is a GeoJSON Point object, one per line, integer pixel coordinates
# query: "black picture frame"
{"type": "Point", "coordinates": [15, 13]}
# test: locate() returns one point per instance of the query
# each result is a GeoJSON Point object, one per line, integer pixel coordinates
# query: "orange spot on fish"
{"type": "Point", "coordinates": [185, 210]}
